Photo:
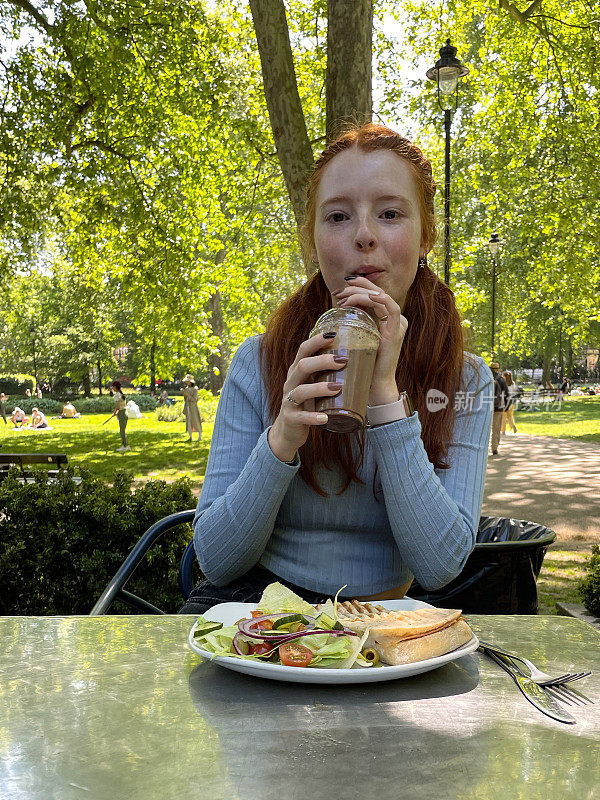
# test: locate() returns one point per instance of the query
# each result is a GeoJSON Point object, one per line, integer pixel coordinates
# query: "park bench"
{"type": "Point", "coordinates": [22, 460]}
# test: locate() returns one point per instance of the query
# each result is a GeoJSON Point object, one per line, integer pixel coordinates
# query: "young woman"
{"type": "Point", "coordinates": [120, 413]}
{"type": "Point", "coordinates": [193, 421]}
{"type": "Point", "coordinates": [285, 500]}
{"type": "Point", "coordinates": [38, 419]}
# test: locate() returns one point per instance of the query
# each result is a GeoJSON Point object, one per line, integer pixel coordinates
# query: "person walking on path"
{"type": "Point", "coordinates": [500, 397]}
{"type": "Point", "coordinates": [120, 413]}
{"type": "Point", "coordinates": [3, 406]}
{"type": "Point", "coordinates": [509, 409]}
{"type": "Point", "coordinates": [193, 421]}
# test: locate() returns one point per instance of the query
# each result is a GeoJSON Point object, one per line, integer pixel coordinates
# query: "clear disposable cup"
{"type": "Point", "coordinates": [357, 339]}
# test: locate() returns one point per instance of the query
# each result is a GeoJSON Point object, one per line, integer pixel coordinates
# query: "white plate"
{"type": "Point", "coordinates": [230, 613]}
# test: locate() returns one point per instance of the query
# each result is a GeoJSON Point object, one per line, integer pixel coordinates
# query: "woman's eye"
{"type": "Point", "coordinates": [336, 216]}
{"type": "Point", "coordinates": [391, 213]}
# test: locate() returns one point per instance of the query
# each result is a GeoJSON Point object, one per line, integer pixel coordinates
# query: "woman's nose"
{"type": "Point", "coordinates": [365, 238]}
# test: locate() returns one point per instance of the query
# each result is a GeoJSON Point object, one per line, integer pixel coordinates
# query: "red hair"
{"type": "Point", "coordinates": [432, 354]}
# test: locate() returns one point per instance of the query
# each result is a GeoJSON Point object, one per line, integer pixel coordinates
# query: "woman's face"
{"type": "Point", "coordinates": [368, 219]}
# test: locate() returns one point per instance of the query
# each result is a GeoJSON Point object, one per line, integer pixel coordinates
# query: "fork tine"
{"type": "Point", "coordinates": [568, 677]}
{"type": "Point", "coordinates": [555, 691]}
{"type": "Point", "coordinates": [569, 695]}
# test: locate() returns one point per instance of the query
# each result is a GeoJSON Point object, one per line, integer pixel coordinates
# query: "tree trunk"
{"type": "Point", "coordinates": [283, 101]}
{"type": "Point", "coordinates": [548, 346]}
{"type": "Point", "coordinates": [569, 372]}
{"type": "Point", "coordinates": [349, 56]}
{"type": "Point", "coordinates": [217, 361]}
{"type": "Point", "coordinates": [153, 364]}
{"type": "Point", "coordinates": [87, 384]}
{"type": "Point", "coordinates": [99, 379]}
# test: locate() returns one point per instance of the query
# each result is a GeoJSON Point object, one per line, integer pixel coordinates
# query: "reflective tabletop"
{"type": "Point", "coordinates": [119, 707]}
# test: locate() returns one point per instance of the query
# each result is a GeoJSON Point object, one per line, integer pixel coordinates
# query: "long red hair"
{"type": "Point", "coordinates": [432, 353]}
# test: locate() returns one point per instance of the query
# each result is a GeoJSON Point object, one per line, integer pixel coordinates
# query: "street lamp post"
{"type": "Point", "coordinates": [32, 332]}
{"type": "Point", "coordinates": [446, 73]}
{"type": "Point", "coordinates": [493, 246]}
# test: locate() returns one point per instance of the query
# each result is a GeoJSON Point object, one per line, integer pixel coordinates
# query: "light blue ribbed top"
{"type": "Point", "coordinates": [420, 522]}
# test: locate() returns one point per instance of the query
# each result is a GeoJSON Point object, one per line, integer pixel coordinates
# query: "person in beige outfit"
{"type": "Point", "coordinates": [193, 420]}
{"type": "Point", "coordinates": [509, 406]}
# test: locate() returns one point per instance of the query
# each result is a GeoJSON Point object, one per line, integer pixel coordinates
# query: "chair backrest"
{"type": "Point", "coordinates": [115, 588]}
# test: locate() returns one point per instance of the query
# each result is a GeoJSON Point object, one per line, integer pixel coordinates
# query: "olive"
{"type": "Point", "coordinates": [371, 655]}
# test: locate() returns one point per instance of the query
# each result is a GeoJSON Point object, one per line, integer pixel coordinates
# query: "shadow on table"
{"type": "Point", "coordinates": [353, 740]}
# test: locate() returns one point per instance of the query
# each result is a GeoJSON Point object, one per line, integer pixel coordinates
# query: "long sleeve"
{"type": "Point", "coordinates": [434, 514]}
{"type": "Point", "coordinates": [245, 482]}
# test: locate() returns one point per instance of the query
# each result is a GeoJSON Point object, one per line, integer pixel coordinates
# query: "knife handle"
{"type": "Point", "coordinates": [502, 663]}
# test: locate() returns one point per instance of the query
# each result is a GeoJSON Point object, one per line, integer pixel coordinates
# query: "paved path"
{"type": "Point", "coordinates": [555, 482]}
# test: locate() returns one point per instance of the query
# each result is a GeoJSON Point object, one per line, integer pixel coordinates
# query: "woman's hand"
{"type": "Point", "coordinates": [297, 414]}
{"type": "Point", "coordinates": [392, 326]}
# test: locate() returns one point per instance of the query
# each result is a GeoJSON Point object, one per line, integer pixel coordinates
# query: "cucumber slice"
{"type": "Point", "coordinates": [205, 628]}
{"type": "Point", "coordinates": [325, 622]}
{"type": "Point", "coordinates": [282, 622]}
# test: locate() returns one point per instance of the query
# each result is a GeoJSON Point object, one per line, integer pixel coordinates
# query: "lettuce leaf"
{"type": "Point", "coordinates": [277, 598]}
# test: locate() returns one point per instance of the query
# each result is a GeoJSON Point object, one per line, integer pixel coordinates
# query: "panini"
{"type": "Point", "coordinates": [402, 637]}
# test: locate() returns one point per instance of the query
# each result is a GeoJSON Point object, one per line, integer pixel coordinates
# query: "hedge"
{"type": "Point", "coordinates": [61, 542]}
{"type": "Point", "coordinates": [589, 588]}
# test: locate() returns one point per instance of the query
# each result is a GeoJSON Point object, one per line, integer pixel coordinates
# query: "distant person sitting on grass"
{"type": "Point", "coordinates": [18, 418]}
{"type": "Point", "coordinates": [69, 411]}
{"type": "Point", "coordinates": [164, 399]}
{"type": "Point", "coordinates": [38, 419]}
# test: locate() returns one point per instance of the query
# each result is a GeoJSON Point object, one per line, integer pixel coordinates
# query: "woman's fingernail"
{"type": "Point", "coordinates": [372, 291]}
{"type": "Point", "coordinates": [329, 335]}
{"type": "Point", "coordinates": [340, 359]}
{"type": "Point", "coordinates": [350, 277]}
{"type": "Point", "coordinates": [334, 386]}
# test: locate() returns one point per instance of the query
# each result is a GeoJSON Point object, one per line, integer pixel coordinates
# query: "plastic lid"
{"type": "Point", "coordinates": [351, 315]}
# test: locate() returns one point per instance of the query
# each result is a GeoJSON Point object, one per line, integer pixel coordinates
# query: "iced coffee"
{"type": "Point", "coordinates": [357, 340]}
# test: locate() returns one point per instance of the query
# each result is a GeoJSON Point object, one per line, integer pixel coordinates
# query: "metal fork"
{"type": "Point", "coordinates": [562, 693]}
{"type": "Point", "coordinates": [539, 677]}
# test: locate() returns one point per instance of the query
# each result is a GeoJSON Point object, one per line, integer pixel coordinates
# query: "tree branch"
{"type": "Point", "coordinates": [41, 20]}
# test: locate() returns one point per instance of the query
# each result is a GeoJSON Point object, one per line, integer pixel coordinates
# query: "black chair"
{"type": "Point", "coordinates": [499, 577]}
{"type": "Point", "coordinates": [115, 591]}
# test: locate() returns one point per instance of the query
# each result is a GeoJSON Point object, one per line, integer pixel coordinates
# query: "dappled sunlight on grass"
{"type": "Point", "coordinates": [562, 571]}
{"type": "Point", "coordinates": [579, 418]}
{"type": "Point", "coordinates": [159, 450]}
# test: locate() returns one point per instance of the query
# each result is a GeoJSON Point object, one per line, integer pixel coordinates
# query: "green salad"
{"type": "Point", "coordinates": [286, 630]}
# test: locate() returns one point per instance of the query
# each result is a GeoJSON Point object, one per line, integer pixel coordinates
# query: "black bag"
{"type": "Point", "coordinates": [500, 574]}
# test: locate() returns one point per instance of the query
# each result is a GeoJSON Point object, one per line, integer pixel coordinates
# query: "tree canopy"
{"type": "Point", "coordinates": [150, 197]}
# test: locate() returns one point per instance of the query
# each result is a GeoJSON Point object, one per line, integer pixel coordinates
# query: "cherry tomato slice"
{"type": "Point", "coordinates": [295, 655]}
{"type": "Point", "coordinates": [263, 625]}
{"type": "Point", "coordinates": [260, 649]}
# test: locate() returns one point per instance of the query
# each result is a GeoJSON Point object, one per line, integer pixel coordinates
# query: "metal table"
{"type": "Point", "coordinates": [118, 707]}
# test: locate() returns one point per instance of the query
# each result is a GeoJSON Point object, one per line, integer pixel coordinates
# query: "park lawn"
{"type": "Point", "coordinates": [579, 418]}
{"type": "Point", "coordinates": [561, 572]}
{"type": "Point", "coordinates": [159, 450]}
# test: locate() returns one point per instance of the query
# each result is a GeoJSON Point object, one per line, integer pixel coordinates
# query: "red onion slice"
{"type": "Point", "coordinates": [245, 627]}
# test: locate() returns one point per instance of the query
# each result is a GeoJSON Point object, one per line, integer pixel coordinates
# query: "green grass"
{"type": "Point", "coordinates": [561, 572]}
{"type": "Point", "coordinates": [579, 418]}
{"type": "Point", "coordinates": [159, 450]}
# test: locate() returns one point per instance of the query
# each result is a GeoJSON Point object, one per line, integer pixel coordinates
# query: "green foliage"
{"type": "Point", "coordinates": [60, 543]}
{"type": "Point", "coordinates": [46, 404]}
{"type": "Point", "coordinates": [589, 588]}
{"type": "Point", "coordinates": [170, 413]}
{"type": "Point", "coordinates": [16, 384]}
